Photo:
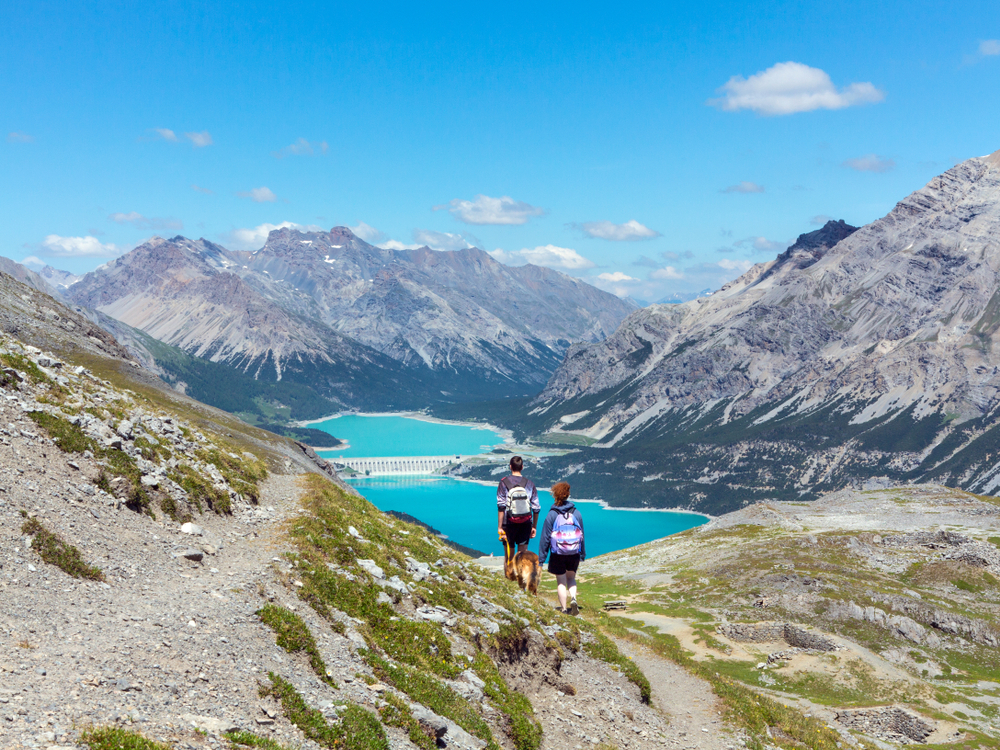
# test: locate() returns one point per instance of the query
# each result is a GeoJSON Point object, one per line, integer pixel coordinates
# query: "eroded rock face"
{"type": "Point", "coordinates": [897, 320]}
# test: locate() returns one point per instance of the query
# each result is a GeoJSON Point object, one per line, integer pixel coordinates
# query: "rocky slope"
{"type": "Point", "coordinates": [171, 573]}
{"type": "Point", "coordinates": [854, 355]}
{"type": "Point", "coordinates": [434, 324]}
{"type": "Point", "coordinates": [188, 295]}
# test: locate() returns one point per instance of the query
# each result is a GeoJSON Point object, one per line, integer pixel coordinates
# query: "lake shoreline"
{"type": "Point", "coordinates": [506, 435]}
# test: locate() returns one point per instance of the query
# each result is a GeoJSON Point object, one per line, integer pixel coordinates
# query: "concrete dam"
{"type": "Point", "coordinates": [384, 466]}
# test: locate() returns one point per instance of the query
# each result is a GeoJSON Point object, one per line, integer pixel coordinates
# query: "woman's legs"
{"type": "Point", "coordinates": [561, 588]}
{"type": "Point", "coordinates": [571, 585]}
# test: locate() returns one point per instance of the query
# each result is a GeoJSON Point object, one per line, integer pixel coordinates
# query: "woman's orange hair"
{"type": "Point", "coordinates": [560, 491]}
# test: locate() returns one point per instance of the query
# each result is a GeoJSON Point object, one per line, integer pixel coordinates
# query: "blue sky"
{"type": "Point", "coordinates": [650, 149]}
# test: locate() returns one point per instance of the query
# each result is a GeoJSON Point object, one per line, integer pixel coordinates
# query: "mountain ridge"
{"type": "Point", "coordinates": [871, 360]}
{"type": "Point", "coordinates": [330, 309]}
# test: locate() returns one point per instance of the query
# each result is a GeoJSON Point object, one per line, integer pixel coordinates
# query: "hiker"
{"type": "Point", "coordinates": [517, 509]}
{"type": "Point", "coordinates": [562, 536]}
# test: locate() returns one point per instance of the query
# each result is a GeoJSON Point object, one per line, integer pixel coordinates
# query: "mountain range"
{"type": "Point", "coordinates": [355, 325]}
{"type": "Point", "coordinates": [855, 358]}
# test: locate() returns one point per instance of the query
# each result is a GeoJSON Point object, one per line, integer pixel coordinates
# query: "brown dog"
{"type": "Point", "coordinates": [524, 569]}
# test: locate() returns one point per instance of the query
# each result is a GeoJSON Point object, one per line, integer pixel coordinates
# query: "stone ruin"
{"type": "Point", "coordinates": [888, 723]}
{"type": "Point", "coordinates": [800, 639]}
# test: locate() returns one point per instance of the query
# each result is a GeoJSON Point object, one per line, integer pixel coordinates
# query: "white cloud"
{"type": "Point", "coordinates": [744, 187]}
{"type": "Point", "coordinates": [199, 140]}
{"type": "Point", "coordinates": [989, 47]}
{"type": "Point", "coordinates": [142, 222]}
{"type": "Point", "coordinates": [441, 240]}
{"type": "Point", "coordinates": [629, 231]}
{"type": "Point", "coordinates": [487, 210]}
{"type": "Point", "coordinates": [617, 283]}
{"type": "Point", "coordinates": [259, 195]}
{"type": "Point", "coordinates": [33, 262]}
{"type": "Point", "coordinates": [166, 134]}
{"type": "Point", "coordinates": [76, 247]}
{"type": "Point", "coordinates": [397, 245]}
{"type": "Point", "coordinates": [820, 220]}
{"type": "Point", "coordinates": [367, 232]}
{"type": "Point", "coordinates": [667, 272]}
{"type": "Point", "coordinates": [549, 256]}
{"type": "Point", "coordinates": [254, 238]}
{"type": "Point", "coordinates": [302, 147]}
{"type": "Point", "coordinates": [18, 137]}
{"type": "Point", "coordinates": [870, 163]}
{"type": "Point", "coordinates": [204, 190]}
{"type": "Point", "coordinates": [615, 277]}
{"type": "Point", "coordinates": [740, 266]}
{"type": "Point", "coordinates": [790, 87]}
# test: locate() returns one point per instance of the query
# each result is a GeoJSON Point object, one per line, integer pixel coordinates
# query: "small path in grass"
{"type": "Point", "coordinates": [688, 702]}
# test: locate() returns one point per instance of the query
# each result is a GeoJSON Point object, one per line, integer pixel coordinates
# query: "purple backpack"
{"type": "Point", "coordinates": [567, 534]}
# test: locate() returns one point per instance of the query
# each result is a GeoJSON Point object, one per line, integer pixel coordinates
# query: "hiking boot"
{"type": "Point", "coordinates": [573, 608]}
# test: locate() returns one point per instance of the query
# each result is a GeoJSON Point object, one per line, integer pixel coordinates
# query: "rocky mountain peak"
{"type": "Point", "coordinates": [846, 332]}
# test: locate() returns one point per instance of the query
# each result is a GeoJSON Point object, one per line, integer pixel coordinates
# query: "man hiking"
{"type": "Point", "coordinates": [517, 509]}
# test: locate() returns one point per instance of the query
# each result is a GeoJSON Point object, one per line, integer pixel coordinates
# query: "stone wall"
{"type": "Point", "coordinates": [888, 723]}
{"type": "Point", "coordinates": [766, 632]}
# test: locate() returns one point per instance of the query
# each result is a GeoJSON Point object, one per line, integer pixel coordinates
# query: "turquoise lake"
{"type": "Point", "coordinates": [405, 436]}
{"type": "Point", "coordinates": [466, 511]}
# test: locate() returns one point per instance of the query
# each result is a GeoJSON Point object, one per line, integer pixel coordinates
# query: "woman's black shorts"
{"type": "Point", "coordinates": [559, 564]}
{"type": "Point", "coordinates": [518, 533]}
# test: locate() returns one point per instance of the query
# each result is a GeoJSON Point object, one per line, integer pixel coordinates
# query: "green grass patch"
{"type": "Point", "coordinates": [55, 550]}
{"type": "Point", "coordinates": [604, 648]}
{"type": "Point", "coordinates": [420, 644]}
{"type": "Point", "coordinates": [249, 739]}
{"type": "Point", "coordinates": [114, 738]}
{"type": "Point", "coordinates": [524, 729]}
{"type": "Point", "coordinates": [23, 364]}
{"type": "Point", "coordinates": [431, 692]}
{"type": "Point", "coordinates": [743, 705]}
{"type": "Point", "coordinates": [357, 730]}
{"type": "Point", "coordinates": [243, 473]}
{"type": "Point", "coordinates": [200, 489]}
{"type": "Point", "coordinates": [293, 635]}
{"type": "Point", "coordinates": [395, 713]}
{"type": "Point", "coordinates": [66, 435]}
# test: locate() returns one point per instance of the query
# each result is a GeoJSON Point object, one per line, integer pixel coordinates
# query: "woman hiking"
{"type": "Point", "coordinates": [562, 543]}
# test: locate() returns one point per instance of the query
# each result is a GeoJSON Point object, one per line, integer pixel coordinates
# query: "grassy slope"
{"type": "Point", "coordinates": [718, 577]}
